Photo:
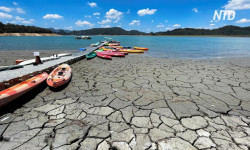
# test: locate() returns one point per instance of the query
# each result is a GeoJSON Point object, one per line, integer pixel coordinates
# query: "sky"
{"type": "Point", "coordinates": [142, 15]}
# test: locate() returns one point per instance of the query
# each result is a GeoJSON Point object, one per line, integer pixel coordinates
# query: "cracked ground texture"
{"type": "Point", "coordinates": [137, 103]}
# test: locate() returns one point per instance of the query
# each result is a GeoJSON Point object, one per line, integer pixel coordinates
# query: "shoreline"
{"type": "Point", "coordinates": [54, 34]}
{"type": "Point", "coordinates": [29, 34]}
{"type": "Point", "coordinates": [8, 57]}
{"type": "Point", "coordinates": [135, 101]}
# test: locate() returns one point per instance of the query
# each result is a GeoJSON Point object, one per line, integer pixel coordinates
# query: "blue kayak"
{"type": "Point", "coordinates": [82, 49]}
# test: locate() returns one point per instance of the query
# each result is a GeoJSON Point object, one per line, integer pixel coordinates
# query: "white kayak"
{"type": "Point", "coordinates": [44, 59]}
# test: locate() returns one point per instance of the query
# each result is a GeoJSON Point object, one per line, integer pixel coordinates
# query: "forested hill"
{"type": "Point", "coordinates": [13, 28]}
{"type": "Point", "coordinates": [107, 31]}
{"type": "Point", "coordinates": [226, 30]}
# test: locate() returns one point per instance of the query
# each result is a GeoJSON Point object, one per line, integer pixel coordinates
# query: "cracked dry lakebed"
{"type": "Point", "coordinates": [136, 103]}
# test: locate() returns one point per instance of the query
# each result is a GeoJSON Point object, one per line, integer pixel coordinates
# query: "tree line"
{"type": "Point", "coordinates": [13, 28]}
{"type": "Point", "coordinates": [226, 30]}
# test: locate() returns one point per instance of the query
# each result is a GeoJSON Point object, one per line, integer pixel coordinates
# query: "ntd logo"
{"type": "Point", "coordinates": [230, 14]}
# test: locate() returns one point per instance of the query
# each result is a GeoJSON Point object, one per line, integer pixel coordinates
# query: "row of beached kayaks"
{"type": "Point", "coordinates": [113, 49]}
{"type": "Point", "coordinates": [57, 78]}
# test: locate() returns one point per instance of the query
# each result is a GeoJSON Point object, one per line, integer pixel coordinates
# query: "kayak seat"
{"type": "Point", "coordinates": [60, 73]}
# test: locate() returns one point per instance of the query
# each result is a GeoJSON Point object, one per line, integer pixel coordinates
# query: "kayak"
{"type": "Point", "coordinates": [32, 61]}
{"type": "Point", "coordinates": [82, 49]}
{"type": "Point", "coordinates": [91, 55]}
{"type": "Point", "coordinates": [59, 76]}
{"type": "Point", "coordinates": [2, 68]}
{"type": "Point", "coordinates": [117, 54]}
{"type": "Point", "coordinates": [131, 51]}
{"type": "Point", "coordinates": [114, 44]}
{"type": "Point", "coordinates": [18, 90]}
{"type": "Point", "coordinates": [124, 53]}
{"type": "Point", "coordinates": [141, 48]}
{"type": "Point", "coordinates": [99, 50]}
{"type": "Point", "coordinates": [99, 54]}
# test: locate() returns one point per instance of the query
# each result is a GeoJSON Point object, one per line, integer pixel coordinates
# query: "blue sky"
{"type": "Point", "coordinates": [143, 15]}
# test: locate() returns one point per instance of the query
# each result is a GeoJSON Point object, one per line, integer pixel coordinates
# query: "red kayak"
{"type": "Point", "coordinates": [124, 53]}
{"type": "Point", "coordinates": [101, 55]}
{"type": "Point", "coordinates": [117, 54]}
{"type": "Point", "coordinates": [20, 89]}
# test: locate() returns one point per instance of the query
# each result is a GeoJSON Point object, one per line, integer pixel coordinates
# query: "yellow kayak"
{"type": "Point", "coordinates": [141, 48]}
{"type": "Point", "coordinates": [131, 51]}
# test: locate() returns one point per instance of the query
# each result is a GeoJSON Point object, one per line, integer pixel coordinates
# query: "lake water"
{"type": "Point", "coordinates": [173, 47]}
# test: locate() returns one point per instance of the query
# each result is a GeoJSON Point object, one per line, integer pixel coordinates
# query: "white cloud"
{"type": "Point", "coordinates": [176, 25]}
{"type": "Point", "coordinates": [169, 28]}
{"type": "Point", "coordinates": [105, 26]}
{"type": "Point", "coordinates": [147, 11]}
{"type": "Point", "coordinates": [6, 9]}
{"type": "Point", "coordinates": [195, 10]}
{"type": "Point", "coordinates": [52, 16]}
{"type": "Point", "coordinates": [68, 28]}
{"type": "Point", "coordinates": [128, 11]}
{"type": "Point", "coordinates": [19, 18]}
{"type": "Point", "coordinates": [212, 25]}
{"type": "Point", "coordinates": [28, 21]}
{"type": "Point", "coordinates": [105, 21]}
{"type": "Point", "coordinates": [92, 4]}
{"type": "Point", "coordinates": [160, 26]}
{"type": "Point", "coordinates": [114, 14]}
{"type": "Point", "coordinates": [14, 22]}
{"type": "Point", "coordinates": [15, 3]}
{"type": "Point", "coordinates": [83, 23]}
{"type": "Point", "coordinates": [135, 22]}
{"type": "Point", "coordinates": [237, 4]}
{"type": "Point", "coordinates": [96, 14]}
{"type": "Point", "coordinates": [166, 21]}
{"type": "Point", "coordinates": [244, 20]}
{"type": "Point", "coordinates": [87, 16]}
{"type": "Point", "coordinates": [97, 17]}
{"type": "Point", "coordinates": [5, 16]}
{"type": "Point", "coordinates": [20, 11]}
{"type": "Point", "coordinates": [152, 21]}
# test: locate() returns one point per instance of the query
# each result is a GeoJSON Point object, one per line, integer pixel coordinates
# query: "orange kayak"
{"type": "Point", "coordinates": [59, 76]}
{"type": "Point", "coordinates": [141, 48]}
{"type": "Point", "coordinates": [18, 90]}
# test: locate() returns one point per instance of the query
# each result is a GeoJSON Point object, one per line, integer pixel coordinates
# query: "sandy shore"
{"type": "Point", "coordinates": [9, 57]}
{"type": "Point", "coordinates": [137, 103]}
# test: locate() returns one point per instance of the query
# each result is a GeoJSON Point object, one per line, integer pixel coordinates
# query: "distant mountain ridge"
{"type": "Point", "coordinates": [226, 30]}
{"type": "Point", "coordinates": [107, 31]}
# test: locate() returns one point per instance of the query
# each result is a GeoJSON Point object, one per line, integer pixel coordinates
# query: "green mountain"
{"type": "Point", "coordinates": [107, 31]}
{"type": "Point", "coordinates": [13, 28]}
{"type": "Point", "coordinates": [226, 30]}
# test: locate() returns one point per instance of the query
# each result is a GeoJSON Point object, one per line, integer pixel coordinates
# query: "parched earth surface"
{"type": "Point", "coordinates": [136, 103]}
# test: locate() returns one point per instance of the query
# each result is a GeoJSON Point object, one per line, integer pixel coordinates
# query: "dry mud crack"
{"type": "Point", "coordinates": [137, 103]}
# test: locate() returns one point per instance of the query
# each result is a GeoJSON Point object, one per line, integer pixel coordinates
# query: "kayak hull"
{"type": "Point", "coordinates": [115, 54]}
{"type": "Point", "coordinates": [131, 51]}
{"type": "Point", "coordinates": [99, 54]}
{"type": "Point", "coordinates": [141, 48]}
{"type": "Point", "coordinates": [91, 55]}
{"type": "Point", "coordinates": [10, 94]}
{"type": "Point", "coordinates": [59, 76]}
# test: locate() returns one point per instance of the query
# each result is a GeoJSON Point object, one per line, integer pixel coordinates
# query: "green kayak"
{"type": "Point", "coordinates": [91, 55]}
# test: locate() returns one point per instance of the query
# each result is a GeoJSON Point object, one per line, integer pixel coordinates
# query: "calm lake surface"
{"type": "Point", "coordinates": [173, 47]}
